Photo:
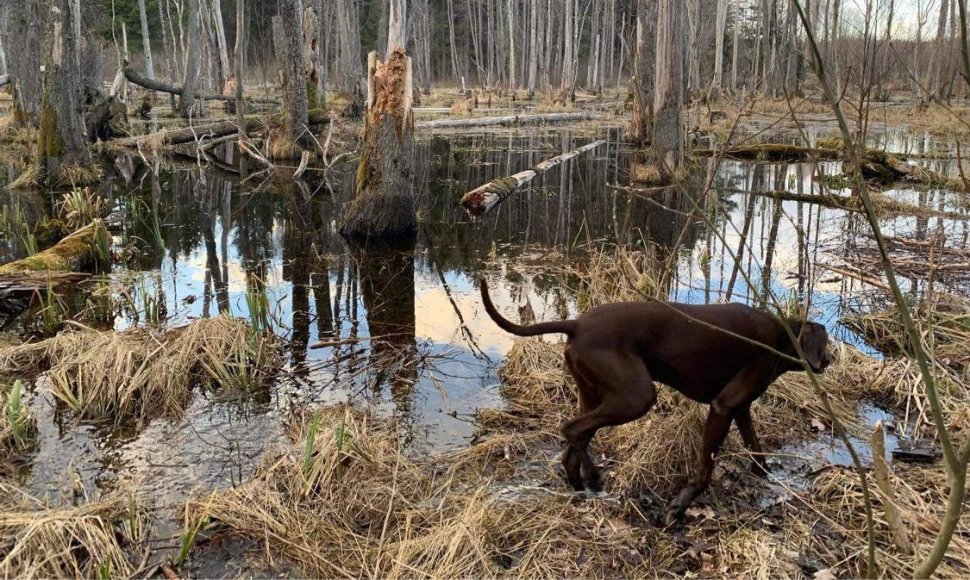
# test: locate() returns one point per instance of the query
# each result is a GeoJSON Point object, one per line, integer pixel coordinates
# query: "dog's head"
{"type": "Point", "coordinates": [813, 340]}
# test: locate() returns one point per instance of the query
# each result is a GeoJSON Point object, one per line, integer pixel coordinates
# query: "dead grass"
{"type": "Point", "coordinates": [94, 539]}
{"type": "Point", "coordinates": [142, 373]}
{"type": "Point", "coordinates": [351, 504]}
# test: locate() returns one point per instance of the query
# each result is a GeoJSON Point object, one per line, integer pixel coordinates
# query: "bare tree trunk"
{"type": "Point", "coordinates": [384, 202]}
{"type": "Point", "coordinates": [396, 22]}
{"type": "Point", "coordinates": [720, 30]}
{"type": "Point", "coordinates": [311, 57]}
{"type": "Point", "coordinates": [668, 140]}
{"type": "Point", "coordinates": [220, 30]}
{"type": "Point", "coordinates": [146, 41]}
{"type": "Point", "coordinates": [693, 64]}
{"type": "Point", "coordinates": [533, 47]}
{"type": "Point", "coordinates": [295, 100]}
{"type": "Point", "coordinates": [734, 46]}
{"type": "Point", "coordinates": [643, 71]}
{"type": "Point", "coordinates": [568, 58]}
{"type": "Point", "coordinates": [240, 51]}
{"type": "Point", "coordinates": [27, 21]}
{"type": "Point", "coordinates": [63, 141]}
{"type": "Point", "coordinates": [189, 84]}
{"type": "Point", "coordinates": [512, 80]}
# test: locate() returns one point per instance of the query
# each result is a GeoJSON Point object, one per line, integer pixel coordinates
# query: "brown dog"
{"type": "Point", "coordinates": [714, 354]}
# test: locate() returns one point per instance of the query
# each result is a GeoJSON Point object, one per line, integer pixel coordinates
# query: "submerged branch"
{"type": "Point", "coordinates": [504, 120]}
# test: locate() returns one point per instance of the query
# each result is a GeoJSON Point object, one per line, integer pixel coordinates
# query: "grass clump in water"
{"type": "Point", "coordinates": [17, 425]}
{"type": "Point", "coordinates": [142, 373]}
{"type": "Point", "coordinates": [94, 539]}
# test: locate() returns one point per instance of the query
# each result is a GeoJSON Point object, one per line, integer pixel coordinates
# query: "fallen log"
{"type": "Point", "coordinates": [771, 152]}
{"type": "Point", "coordinates": [199, 133]}
{"type": "Point", "coordinates": [504, 120]}
{"type": "Point", "coordinates": [826, 200]}
{"type": "Point", "coordinates": [144, 82]}
{"type": "Point", "coordinates": [481, 200]}
{"type": "Point", "coordinates": [77, 252]}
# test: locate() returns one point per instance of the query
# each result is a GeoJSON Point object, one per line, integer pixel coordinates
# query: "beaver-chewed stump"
{"type": "Point", "coordinates": [384, 202]}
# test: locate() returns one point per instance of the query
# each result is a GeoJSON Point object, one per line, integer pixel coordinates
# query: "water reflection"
{"type": "Point", "coordinates": [403, 326]}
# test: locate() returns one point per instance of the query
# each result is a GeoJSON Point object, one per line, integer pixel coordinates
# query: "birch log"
{"type": "Point", "coordinates": [481, 200]}
{"type": "Point", "coordinates": [504, 120]}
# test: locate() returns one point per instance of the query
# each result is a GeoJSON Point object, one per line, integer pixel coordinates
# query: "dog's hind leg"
{"type": "Point", "coordinates": [746, 426]}
{"type": "Point", "coordinates": [624, 390]}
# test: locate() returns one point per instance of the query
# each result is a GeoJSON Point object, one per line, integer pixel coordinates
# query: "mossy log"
{"type": "Point", "coordinates": [481, 200]}
{"type": "Point", "coordinates": [18, 290]}
{"type": "Point", "coordinates": [77, 252]}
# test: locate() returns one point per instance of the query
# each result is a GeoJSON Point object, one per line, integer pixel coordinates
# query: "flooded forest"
{"type": "Point", "coordinates": [244, 246]}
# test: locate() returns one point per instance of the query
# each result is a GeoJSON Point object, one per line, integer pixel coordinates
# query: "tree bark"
{"type": "Point", "coordinates": [146, 40]}
{"type": "Point", "coordinates": [28, 21]}
{"type": "Point", "coordinates": [644, 65]}
{"type": "Point", "coordinates": [238, 71]}
{"type": "Point", "coordinates": [396, 22]}
{"type": "Point", "coordinates": [63, 141]}
{"type": "Point", "coordinates": [668, 138]}
{"type": "Point", "coordinates": [311, 57]}
{"type": "Point", "coordinates": [720, 31]}
{"type": "Point", "coordinates": [384, 202]}
{"type": "Point", "coordinates": [192, 57]}
{"type": "Point", "coordinates": [220, 29]}
{"type": "Point", "coordinates": [295, 100]}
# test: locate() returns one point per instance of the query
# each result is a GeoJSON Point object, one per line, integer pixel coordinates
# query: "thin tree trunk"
{"type": "Point", "coordinates": [27, 21]}
{"type": "Point", "coordinates": [220, 30]}
{"type": "Point", "coordinates": [512, 80]}
{"type": "Point", "coordinates": [146, 41]}
{"type": "Point", "coordinates": [720, 31]}
{"type": "Point", "coordinates": [734, 46]}
{"type": "Point", "coordinates": [533, 47]}
{"type": "Point", "coordinates": [240, 51]}
{"type": "Point", "coordinates": [668, 140]}
{"type": "Point", "coordinates": [189, 84]}
{"type": "Point", "coordinates": [384, 202]}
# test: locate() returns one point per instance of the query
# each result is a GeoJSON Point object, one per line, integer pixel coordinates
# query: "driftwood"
{"type": "Point", "coordinates": [78, 251]}
{"type": "Point", "coordinates": [137, 78]}
{"type": "Point", "coordinates": [481, 200]}
{"type": "Point", "coordinates": [505, 120]}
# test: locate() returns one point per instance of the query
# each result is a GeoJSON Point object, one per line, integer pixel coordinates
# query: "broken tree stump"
{"type": "Point", "coordinates": [481, 200]}
{"type": "Point", "coordinates": [384, 201]}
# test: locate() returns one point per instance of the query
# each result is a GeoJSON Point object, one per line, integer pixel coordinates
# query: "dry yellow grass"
{"type": "Point", "coordinates": [93, 539]}
{"type": "Point", "coordinates": [142, 373]}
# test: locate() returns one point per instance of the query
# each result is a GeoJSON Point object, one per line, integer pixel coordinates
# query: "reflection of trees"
{"type": "Point", "coordinates": [386, 273]}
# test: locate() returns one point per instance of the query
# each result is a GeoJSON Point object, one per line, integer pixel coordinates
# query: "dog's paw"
{"type": "Point", "coordinates": [760, 469]}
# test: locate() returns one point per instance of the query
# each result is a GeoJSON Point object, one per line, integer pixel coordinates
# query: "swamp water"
{"type": "Point", "coordinates": [403, 329]}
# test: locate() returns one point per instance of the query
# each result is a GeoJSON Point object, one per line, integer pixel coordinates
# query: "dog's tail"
{"type": "Point", "coordinates": [566, 327]}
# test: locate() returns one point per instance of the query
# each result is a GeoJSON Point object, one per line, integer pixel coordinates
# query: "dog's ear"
{"type": "Point", "coordinates": [814, 341]}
